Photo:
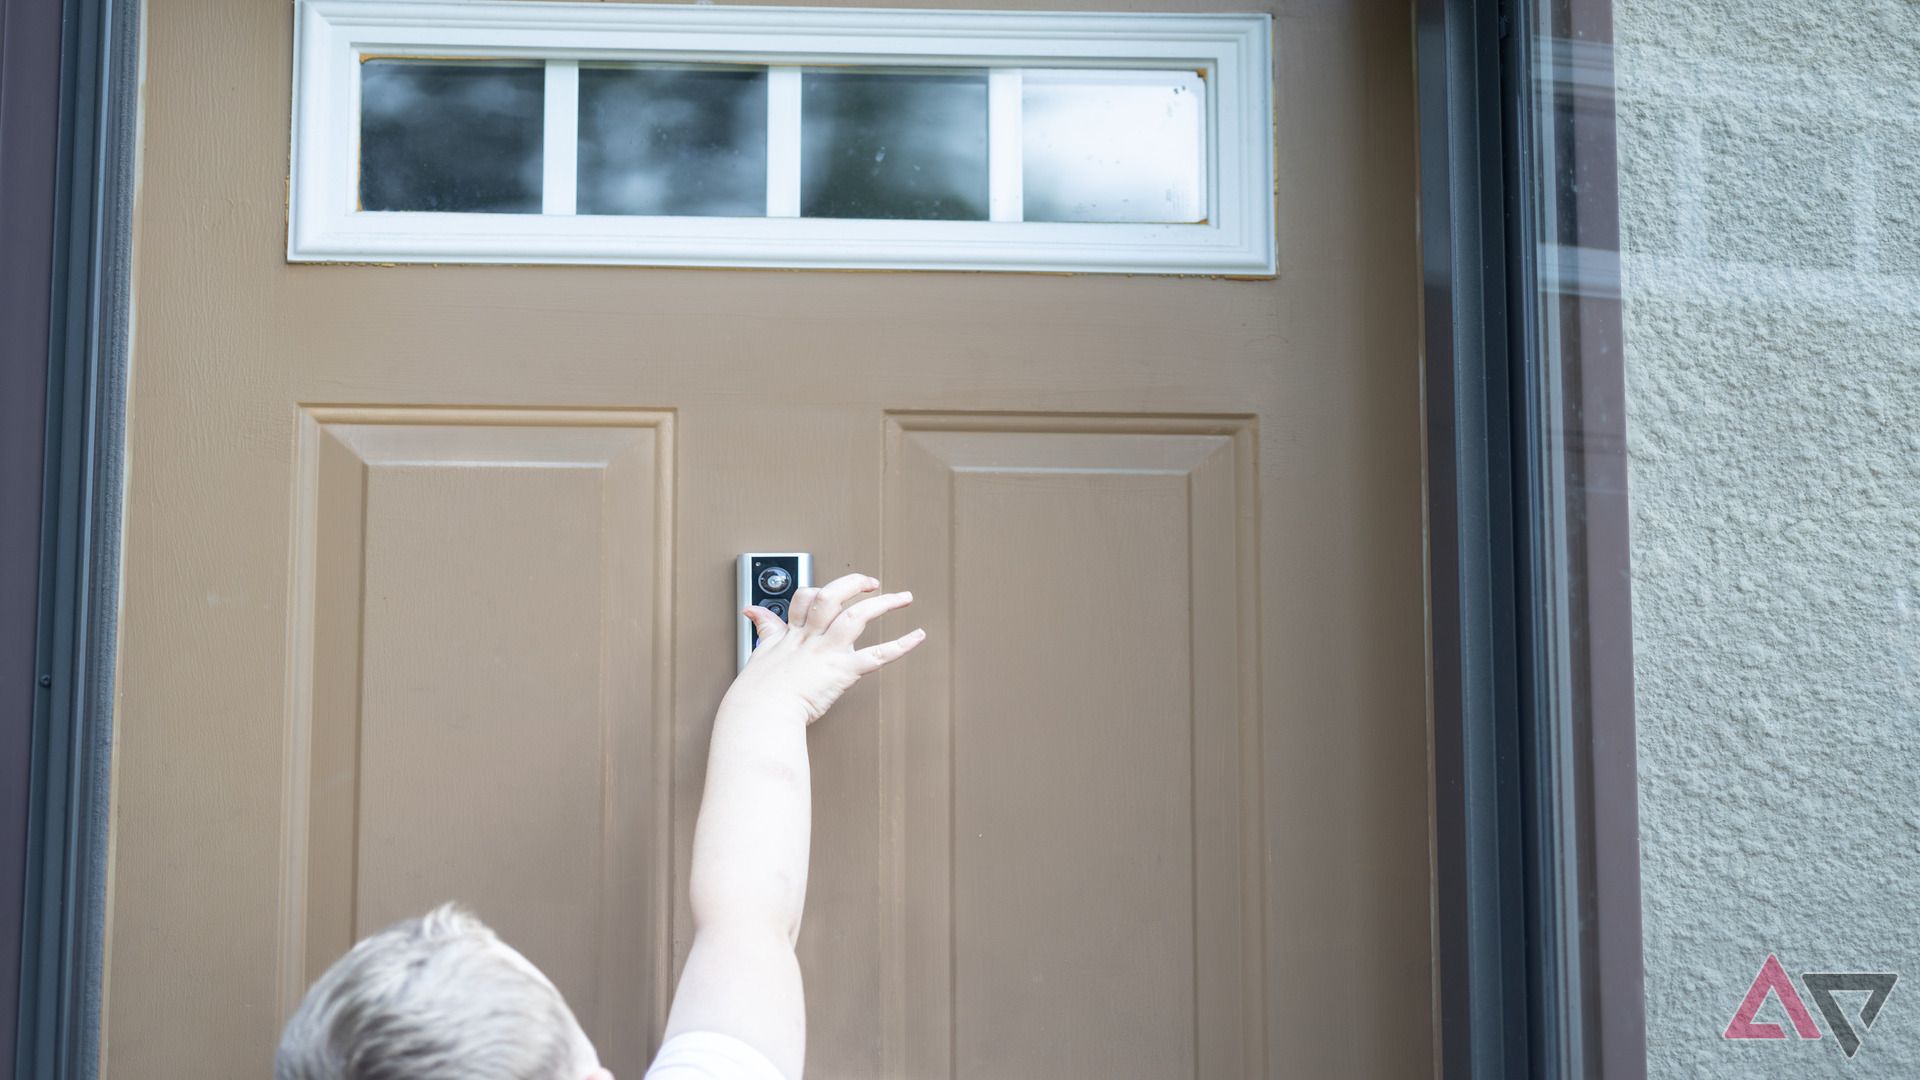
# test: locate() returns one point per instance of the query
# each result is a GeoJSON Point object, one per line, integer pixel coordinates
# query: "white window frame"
{"type": "Point", "coordinates": [1232, 52]}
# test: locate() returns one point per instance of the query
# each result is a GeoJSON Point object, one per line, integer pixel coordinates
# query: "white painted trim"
{"type": "Point", "coordinates": [783, 142]}
{"type": "Point", "coordinates": [560, 153]}
{"type": "Point", "coordinates": [1234, 52]}
{"type": "Point", "coordinates": [1006, 149]}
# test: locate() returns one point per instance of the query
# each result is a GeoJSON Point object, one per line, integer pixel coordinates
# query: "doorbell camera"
{"type": "Point", "coordinates": [769, 580]}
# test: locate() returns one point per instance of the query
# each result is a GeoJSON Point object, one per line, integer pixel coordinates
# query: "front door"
{"type": "Point", "coordinates": [429, 595]}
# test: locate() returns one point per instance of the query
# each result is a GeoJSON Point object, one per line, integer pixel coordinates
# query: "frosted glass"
{"type": "Point", "coordinates": [445, 135]}
{"type": "Point", "coordinates": [876, 145]}
{"type": "Point", "coordinates": [1116, 146]}
{"type": "Point", "coordinates": [661, 140]}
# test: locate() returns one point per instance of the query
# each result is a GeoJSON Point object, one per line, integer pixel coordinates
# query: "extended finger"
{"type": "Point", "coordinates": [847, 628]}
{"type": "Point", "coordinates": [802, 603]}
{"type": "Point", "coordinates": [766, 624]}
{"type": "Point", "coordinates": [833, 597]}
{"type": "Point", "coordinates": [874, 657]}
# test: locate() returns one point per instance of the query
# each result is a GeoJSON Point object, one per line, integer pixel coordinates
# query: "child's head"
{"type": "Point", "coordinates": [434, 998]}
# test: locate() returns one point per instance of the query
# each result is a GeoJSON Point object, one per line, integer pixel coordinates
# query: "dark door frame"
{"type": "Point", "coordinates": [1537, 875]}
{"type": "Point", "coordinates": [29, 124]}
{"type": "Point", "coordinates": [82, 303]}
{"type": "Point", "coordinates": [1539, 944]}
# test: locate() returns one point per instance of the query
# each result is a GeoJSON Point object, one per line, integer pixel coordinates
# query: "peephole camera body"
{"type": "Point", "coordinates": [769, 580]}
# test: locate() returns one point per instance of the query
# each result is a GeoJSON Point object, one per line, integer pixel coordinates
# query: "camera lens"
{"type": "Point", "coordinates": [775, 579]}
{"type": "Point", "coordinates": [778, 607]}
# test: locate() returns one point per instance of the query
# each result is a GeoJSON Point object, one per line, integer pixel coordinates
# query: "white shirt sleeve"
{"type": "Point", "coordinates": [708, 1055]}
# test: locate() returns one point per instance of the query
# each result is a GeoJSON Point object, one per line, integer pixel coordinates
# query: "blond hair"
{"type": "Point", "coordinates": [434, 998]}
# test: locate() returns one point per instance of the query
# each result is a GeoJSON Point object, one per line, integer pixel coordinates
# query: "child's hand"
{"type": "Point", "coordinates": [811, 661]}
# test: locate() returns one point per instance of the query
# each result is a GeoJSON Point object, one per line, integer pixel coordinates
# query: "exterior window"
{"type": "Point", "coordinates": [894, 145]}
{"type": "Point", "coordinates": [680, 141]}
{"type": "Point", "coordinates": [450, 136]}
{"type": "Point", "coordinates": [1114, 146]}
{"type": "Point", "coordinates": [616, 133]}
{"type": "Point", "coordinates": [1726, 304]}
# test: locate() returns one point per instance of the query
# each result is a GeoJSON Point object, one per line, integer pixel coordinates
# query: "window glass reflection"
{"type": "Point", "coordinates": [877, 145]}
{"type": "Point", "coordinates": [686, 141]}
{"type": "Point", "coordinates": [451, 136]}
{"type": "Point", "coordinates": [1116, 146]}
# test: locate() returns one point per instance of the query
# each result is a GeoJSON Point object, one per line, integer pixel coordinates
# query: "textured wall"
{"type": "Point", "coordinates": [1770, 201]}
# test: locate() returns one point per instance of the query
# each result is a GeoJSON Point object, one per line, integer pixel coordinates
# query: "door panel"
{"type": "Point", "coordinates": [1079, 896]}
{"type": "Point", "coordinates": [463, 730]}
{"type": "Point", "coordinates": [429, 583]}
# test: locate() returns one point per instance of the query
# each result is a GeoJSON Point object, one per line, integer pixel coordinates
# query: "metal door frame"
{"type": "Point", "coordinates": [78, 508]}
{"type": "Point", "coordinates": [29, 121]}
{"type": "Point", "coordinates": [1539, 935]}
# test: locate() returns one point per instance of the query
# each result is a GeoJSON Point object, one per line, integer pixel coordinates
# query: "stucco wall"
{"type": "Point", "coordinates": [1770, 200]}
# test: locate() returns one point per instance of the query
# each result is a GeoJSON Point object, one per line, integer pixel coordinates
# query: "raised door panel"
{"type": "Point", "coordinates": [479, 698]}
{"type": "Point", "coordinates": [1073, 781]}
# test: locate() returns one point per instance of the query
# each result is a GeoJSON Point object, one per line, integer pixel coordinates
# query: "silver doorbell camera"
{"type": "Point", "coordinates": [769, 579]}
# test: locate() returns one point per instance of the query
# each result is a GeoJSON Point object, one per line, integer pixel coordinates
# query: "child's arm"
{"type": "Point", "coordinates": [749, 874]}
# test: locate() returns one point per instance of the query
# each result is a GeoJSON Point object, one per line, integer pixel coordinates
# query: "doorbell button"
{"type": "Point", "coordinates": [766, 579]}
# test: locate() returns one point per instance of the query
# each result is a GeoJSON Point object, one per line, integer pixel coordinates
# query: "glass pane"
{"type": "Point", "coordinates": [894, 146]}
{"type": "Point", "coordinates": [1124, 146]}
{"type": "Point", "coordinates": [443, 135]}
{"type": "Point", "coordinates": [1726, 202]}
{"type": "Point", "coordinates": [689, 141]}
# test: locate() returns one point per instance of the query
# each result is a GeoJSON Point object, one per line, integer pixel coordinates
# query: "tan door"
{"type": "Point", "coordinates": [429, 595]}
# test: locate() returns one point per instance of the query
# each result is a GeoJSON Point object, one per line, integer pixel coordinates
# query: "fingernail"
{"type": "Point", "coordinates": [873, 583]}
